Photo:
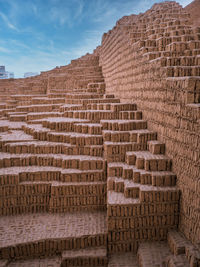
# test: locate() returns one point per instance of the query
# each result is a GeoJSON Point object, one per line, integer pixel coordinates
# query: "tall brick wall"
{"type": "Point", "coordinates": [193, 8]}
{"type": "Point", "coordinates": [153, 59]}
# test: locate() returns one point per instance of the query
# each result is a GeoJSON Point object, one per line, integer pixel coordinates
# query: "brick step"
{"type": "Point", "coordinates": [163, 41]}
{"type": "Point", "coordinates": [156, 147]}
{"type": "Point", "coordinates": [81, 91]}
{"type": "Point", "coordinates": [119, 185]}
{"type": "Point", "coordinates": [193, 254]}
{"type": "Point", "coordinates": [62, 91]}
{"type": "Point", "coordinates": [155, 178]}
{"type": "Point", "coordinates": [58, 160]}
{"type": "Point", "coordinates": [116, 151]}
{"type": "Point", "coordinates": [100, 85]}
{"type": "Point", "coordinates": [15, 113]}
{"type": "Point", "coordinates": [89, 77]}
{"type": "Point", "coordinates": [123, 125]}
{"type": "Point", "coordinates": [145, 50]}
{"type": "Point", "coordinates": [52, 196]}
{"type": "Point", "coordinates": [148, 161]}
{"type": "Point", "coordinates": [12, 125]}
{"type": "Point", "coordinates": [88, 72]}
{"type": "Point", "coordinates": [189, 85]}
{"type": "Point", "coordinates": [183, 252]}
{"type": "Point", "coordinates": [145, 193]}
{"type": "Point", "coordinates": [25, 97]}
{"type": "Point", "coordinates": [60, 124]}
{"type": "Point", "coordinates": [67, 189]}
{"type": "Point", "coordinates": [11, 102]}
{"type": "Point", "coordinates": [85, 139]}
{"type": "Point", "coordinates": [118, 199]}
{"type": "Point", "coordinates": [4, 263]}
{"type": "Point", "coordinates": [130, 222]}
{"type": "Point", "coordinates": [97, 115]}
{"type": "Point", "coordinates": [54, 261]}
{"type": "Point", "coordinates": [77, 146]}
{"type": "Point", "coordinates": [75, 138]}
{"type": "Point", "coordinates": [47, 100]}
{"type": "Point", "coordinates": [36, 130]}
{"type": "Point", "coordinates": [57, 95]}
{"type": "Point", "coordinates": [90, 101]}
{"type": "Point", "coordinates": [181, 46]}
{"type": "Point", "coordinates": [47, 234]}
{"type": "Point", "coordinates": [83, 96]}
{"type": "Point", "coordinates": [71, 107]}
{"type": "Point", "coordinates": [138, 136]}
{"type": "Point", "coordinates": [177, 242]}
{"type": "Point", "coordinates": [96, 90]}
{"type": "Point", "coordinates": [2, 105]}
{"type": "Point", "coordinates": [84, 82]}
{"type": "Point", "coordinates": [5, 111]}
{"type": "Point", "coordinates": [88, 128]}
{"type": "Point", "coordinates": [24, 103]}
{"type": "Point", "coordinates": [41, 115]}
{"type": "Point", "coordinates": [182, 71]}
{"type": "Point", "coordinates": [116, 107]}
{"type": "Point", "coordinates": [127, 259]}
{"type": "Point", "coordinates": [42, 133]}
{"type": "Point", "coordinates": [177, 261]}
{"type": "Point", "coordinates": [14, 175]}
{"type": "Point", "coordinates": [13, 136]}
{"type": "Point", "coordinates": [181, 61]}
{"type": "Point", "coordinates": [18, 117]}
{"type": "Point", "coordinates": [38, 108]}
{"type": "Point", "coordinates": [94, 256]}
{"type": "Point", "coordinates": [151, 254]}
{"type": "Point", "coordinates": [181, 32]}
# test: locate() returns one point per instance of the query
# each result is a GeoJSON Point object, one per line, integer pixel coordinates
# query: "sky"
{"type": "Point", "coordinates": [38, 35]}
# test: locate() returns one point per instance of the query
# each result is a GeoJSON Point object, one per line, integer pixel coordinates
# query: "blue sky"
{"type": "Point", "coordinates": [38, 35]}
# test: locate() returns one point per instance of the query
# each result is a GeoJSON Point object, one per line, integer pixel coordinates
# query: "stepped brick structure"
{"type": "Point", "coordinates": [100, 159]}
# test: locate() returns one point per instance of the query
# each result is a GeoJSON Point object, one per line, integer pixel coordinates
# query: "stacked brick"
{"type": "Point", "coordinates": [52, 164]}
{"type": "Point", "coordinates": [153, 60]}
{"type": "Point", "coordinates": [57, 164]}
{"type": "Point", "coordinates": [176, 252]}
{"type": "Point", "coordinates": [46, 235]}
{"type": "Point", "coordinates": [143, 202]}
{"type": "Point", "coordinates": [82, 174]}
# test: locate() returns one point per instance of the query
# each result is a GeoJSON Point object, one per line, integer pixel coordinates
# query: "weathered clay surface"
{"type": "Point", "coordinates": [89, 179]}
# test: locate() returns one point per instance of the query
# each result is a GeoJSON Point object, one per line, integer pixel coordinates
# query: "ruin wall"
{"type": "Point", "coordinates": [153, 60]}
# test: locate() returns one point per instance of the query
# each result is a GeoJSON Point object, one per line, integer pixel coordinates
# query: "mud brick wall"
{"type": "Point", "coordinates": [193, 9]}
{"type": "Point", "coordinates": [77, 74]}
{"type": "Point", "coordinates": [19, 194]}
{"type": "Point", "coordinates": [33, 85]}
{"type": "Point", "coordinates": [152, 60]}
{"type": "Point", "coordinates": [128, 225]}
{"type": "Point", "coordinates": [50, 246]}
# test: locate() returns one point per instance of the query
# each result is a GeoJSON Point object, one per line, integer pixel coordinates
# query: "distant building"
{"type": "Point", "coordinates": [2, 69]}
{"type": "Point", "coordinates": [5, 74]}
{"type": "Point", "coordinates": [11, 75]}
{"type": "Point", "coordinates": [30, 74]}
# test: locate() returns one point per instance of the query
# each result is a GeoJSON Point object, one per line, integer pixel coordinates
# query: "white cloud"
{"type": "Point", "coordinates": [7, 22]}
{"type": "Point", "coordinates": [79, 9]}
{"type": "Point", "coordinates": [34, 8]}
{"type": "Point", "coordinates": [4, 50]}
